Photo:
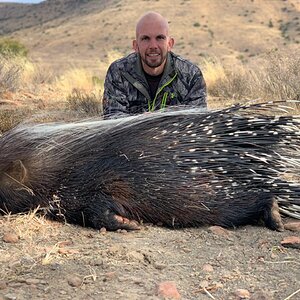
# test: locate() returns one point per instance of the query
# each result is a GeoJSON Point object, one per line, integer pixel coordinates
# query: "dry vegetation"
{"type": "Point", "coordinates": [78, 92]}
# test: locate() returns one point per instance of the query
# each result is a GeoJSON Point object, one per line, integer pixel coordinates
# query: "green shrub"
{"type": "Point", "coordinates": [11, 48]}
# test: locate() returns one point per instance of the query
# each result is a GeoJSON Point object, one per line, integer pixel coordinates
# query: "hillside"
{"type": "Point", "coordinates": [68, 33]}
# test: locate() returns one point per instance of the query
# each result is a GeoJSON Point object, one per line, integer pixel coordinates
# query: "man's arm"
{"type": "Point", "coordinates": [197, 95]}
{"type": "Point", "coordinates": [115, 100]}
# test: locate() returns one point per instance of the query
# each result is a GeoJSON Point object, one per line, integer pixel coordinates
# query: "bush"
{"type": "Point", "coordinates": [281, 79]}
{"type": "Point", "coordinates": [84, 103]}
{"type": "Point", "coordinates": [78, 80]}
{"type": "Point", "coordinates": [12, 48]}
{"type": "Point", "coordinates": [234, 86]}
{"type": "Point", "coordinates": [10, 73]}
{"type": "Point", "coordinates": [276, 76]}
{"type": "Point", "coordinates": [10, 118]}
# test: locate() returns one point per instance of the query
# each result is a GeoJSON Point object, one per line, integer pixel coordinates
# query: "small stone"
{"type": "Point", "coordinates": [110, 276]}
{"type": "Point", "coordinates": [168, 289]}
{"type": "Point", "coordinates": [66, 251]}
{"type": "Point", "coordinates": [62, 292]}
{"type": "Point", "coordinates": [218, 230]}
{"type": "Point", "coordinates": [103, 230]}
{"type": "Point", "coordinates": [260, 295]}
{"type": "Point", "coordinates": [10, 238]}
{"type": "Point", "coordinates": [291, 242]}
{"type": "Point", "coordinates": [242, 294]}
{"type": "Point", "coordinates": [292, 226]}
{"type": "Point", "coordinates": [186, 250]}
{"type": "Point", "coordinates": [3, 285]}
{"type": "Point", "coordinates": [218, 285]}
{"type": "Point", "coordinates": [65, 243]}
{"type": "Point", "coordinates": [74, 281]}
{"type": "Point", "coordinates": [203, 284]}
{"type": "Point", "coordinates": [10, 297]}
{"type": "Point", "coordinates": [207, 268]}
{"type": "Point", "coordinates": [138, 281]}
{"type": "Point", "coordinates": [159, 266]}
{"type": "Point", "coordinates": [31, 281]}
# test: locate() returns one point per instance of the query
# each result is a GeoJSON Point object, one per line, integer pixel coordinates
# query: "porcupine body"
{"type": "Point", "coordinates": [182, 168]}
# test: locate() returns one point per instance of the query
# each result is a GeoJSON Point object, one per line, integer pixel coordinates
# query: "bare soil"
{"type": "Point", "coordinates": [50, 260]}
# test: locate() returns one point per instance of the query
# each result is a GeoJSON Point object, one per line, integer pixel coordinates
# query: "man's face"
{"type": "Point", "coordinates": [153, 45]}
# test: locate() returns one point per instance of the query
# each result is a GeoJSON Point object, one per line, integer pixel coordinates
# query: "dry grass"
{"type": "Point", "coordinates": [281, 76]}
{"type": "Point", "coordinates": [9, 118]}
{"type": "Point", "coordinates": [274, 77]}
{"type": "Point", "coordinates": [19, 73]}
{"type": "Point", "coordinates": [37, 236]}
{"type": "Point", "coordinates": [75, 78]}
{"type": "Point", "coordinates": [11, 69]}
{"type": "Point", "coordinates": [88, 104]}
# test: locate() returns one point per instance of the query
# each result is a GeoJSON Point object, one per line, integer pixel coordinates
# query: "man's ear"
{"type": "Point", "coordinates": [134, 45]}
{"type": "Point", "coordinates": [170, 43]}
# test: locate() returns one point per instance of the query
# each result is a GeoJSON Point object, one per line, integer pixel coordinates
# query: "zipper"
{"type": "Point", "coordinates": [151, 106]}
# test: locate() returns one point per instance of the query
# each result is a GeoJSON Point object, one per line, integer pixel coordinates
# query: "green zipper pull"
{"type": "Point", "coordinates": [151, 107]}
{"type": "Point", "coordinates": [164, 100]}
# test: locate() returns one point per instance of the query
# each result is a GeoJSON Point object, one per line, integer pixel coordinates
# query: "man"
{"type": "Point", "coordinates": [152, 77]}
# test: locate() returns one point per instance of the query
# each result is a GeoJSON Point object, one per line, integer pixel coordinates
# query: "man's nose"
{"type": "Point", "coordinates": [153, 44]}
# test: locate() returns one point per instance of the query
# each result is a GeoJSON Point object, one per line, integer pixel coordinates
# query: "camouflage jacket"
{"type": "Point", "coordinates": [126, 90]}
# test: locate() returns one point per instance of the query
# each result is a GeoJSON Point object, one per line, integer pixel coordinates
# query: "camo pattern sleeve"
{"type": "Point", "coordinates": [115, 100]}
{"type": "Point", "coordinates": [191, 83]}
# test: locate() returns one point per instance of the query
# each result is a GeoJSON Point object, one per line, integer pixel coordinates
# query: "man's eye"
{"type": "Point", "coordinates": [145, 38]}
{"type": "Point", "coordinates": [161, 37]}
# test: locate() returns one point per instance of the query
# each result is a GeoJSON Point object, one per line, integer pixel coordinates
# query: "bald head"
{"type": "Point", "coordinates": [153, 42]}
{"type": "Point", "coordinates": [149, 19]}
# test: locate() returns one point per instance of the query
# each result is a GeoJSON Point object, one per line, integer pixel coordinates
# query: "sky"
{"type": "Point", "coordinates": [22, 1]}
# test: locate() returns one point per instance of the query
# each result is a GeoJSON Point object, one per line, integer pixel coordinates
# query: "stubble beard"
{"type": "Point", "coordinates": [153, 64]}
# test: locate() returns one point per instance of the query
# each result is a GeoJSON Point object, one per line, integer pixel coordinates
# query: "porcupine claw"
{"type": "Point", "coordinates": [273, 219]}
{"type": "Point", "coordinates": [125, 223]}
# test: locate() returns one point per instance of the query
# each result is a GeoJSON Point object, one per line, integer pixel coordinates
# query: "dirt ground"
{"type": "Point", "coordinates": [42, 259]}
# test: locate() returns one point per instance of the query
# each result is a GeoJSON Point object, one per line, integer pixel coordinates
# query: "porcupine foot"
{"type": "Point", "coordinates": [272, 217]}
{"type": "Point", "coordinates": [125, 223]}
{"type": "Point", "coordinates": [112, 221]}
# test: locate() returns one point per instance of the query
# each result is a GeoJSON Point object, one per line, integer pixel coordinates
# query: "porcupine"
{"type": "Point", "coordinates": [182, 168]}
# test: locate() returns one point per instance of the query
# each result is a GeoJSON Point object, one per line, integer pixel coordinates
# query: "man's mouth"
{"type": "Point", "coordinates": [153, 54]}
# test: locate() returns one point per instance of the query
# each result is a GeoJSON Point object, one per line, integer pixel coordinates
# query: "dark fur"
{"type": "Point", "coordinates": [144, 168]}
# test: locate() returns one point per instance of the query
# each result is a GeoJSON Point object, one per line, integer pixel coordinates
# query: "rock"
{"type": "Point", "coordinates": [261, 295]}
{"type": "Point", "coordinates": [10, 297]}
{"type": "Point", "coordinates": [218, 230]}
{"type": "Point", "coordinates": [291, 242]}
{"type": "Point", "coordinates": [10, 238]}
{"type": "Point", "coordinates": [32, 281]}
{"type": "Point", "coordinates": [159, 266]}
{"type": "Point", "coordinates": [110, 276]}
{"type": "Point", "coordinates": [103, 230]}
{"type": "Point", "coordinates": [66, 251]}
{"type": "Point", "coordinates": [3, 285]}
{"type": "Point", "coordinates": [242, 294]}
{"type": "Point", "coordinates": [168, 289]}
{"type": "Point", "coordinates": [203, 284]}
{"type": "Point", "coordinates": [65, 243]}
{"type": "Point", "coordinates": [292, 226]}
{"type": "Point", "coordinates": [74, 281]}
{"type": "Point", "coordinates": [207, 268]}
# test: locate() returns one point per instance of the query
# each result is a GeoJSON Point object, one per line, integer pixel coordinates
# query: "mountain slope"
{"type": "Point", "coordinates": [82, 32]}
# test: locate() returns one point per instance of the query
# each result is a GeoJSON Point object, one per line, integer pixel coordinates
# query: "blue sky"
{"type": "Point", "coordinates": [22, 1]}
